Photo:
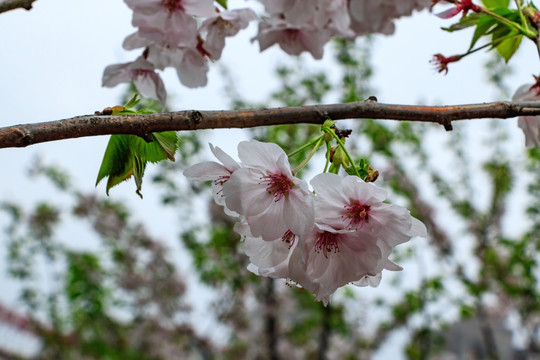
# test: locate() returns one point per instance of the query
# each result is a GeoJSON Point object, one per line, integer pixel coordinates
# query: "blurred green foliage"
{"type": "Point", "coordinates": [127, 299]}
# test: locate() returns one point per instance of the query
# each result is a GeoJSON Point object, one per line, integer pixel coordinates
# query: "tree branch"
{"type": "Point", "coordinates": [143, 124]}
{"type": "Point", "coordinates": [8, 5]}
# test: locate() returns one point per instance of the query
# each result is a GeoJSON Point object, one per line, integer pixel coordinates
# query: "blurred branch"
{"type": "Point", "coordinates": [488, 336]}
{"type": "Point", "coordinates": [7, 5]}
{"type": "Point", "coordinates": [423, 210]}
{"type": "Point", "coordinates": [143, 124]}
{"type": "Point", "coordinates": [271, 320]}
{"type": "Point", "coordinates": [326, 332]}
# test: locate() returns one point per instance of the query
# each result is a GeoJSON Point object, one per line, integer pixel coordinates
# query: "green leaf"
{"type": "Point", "coordinates": [168, 142]}
{"type": "Point", "coordinates": [139, 165]}
{"type": "Point", "coordinates": [222, 3]}
{"type": "Point", "coordinates": [133, 101]}
{"type": "Point", "coordinates": [508, 47]}
{"type": "Point", "coordinates": [466, 22]}
{"type": "Point", "coordinates": [495, 4]}
{"type": "Point", "coordinates": [484, 26]}
{"type": "Point", "coordinates": [117, 162]}
{"type": "Point", "coordinates": [127, 155]}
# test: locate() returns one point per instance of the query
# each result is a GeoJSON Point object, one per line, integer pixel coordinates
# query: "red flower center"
{"type": "Point", "coordinates": [289, 238]}
{"type": "Point", "coordinates": [278, 185]}
{"type": "Point", "coordinates": [357, 214]}
{"type": "Point", "coordinates": [327, 242]}
{"type": "Point", "coordinates": [173, 5]}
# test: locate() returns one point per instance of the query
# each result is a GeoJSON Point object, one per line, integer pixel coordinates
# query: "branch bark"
{"type": "Point", "coordinates": [8, 5]}
{"type": "Point", "coordinates": [143, 124]}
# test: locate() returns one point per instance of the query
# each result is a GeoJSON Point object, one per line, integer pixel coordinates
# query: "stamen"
{"type": "Point", "coordinates": [173, 5]}
{"type": "Point", "coordinates": [327, 242]}
{"type": "Point", "coordinates": [278, 185]}
{"type": "Point", "coordinates": [289, 238]}
{"type": "Point", "coordinates": [357, 214]}
{"type": "Point", "coordinates": [219, 182]}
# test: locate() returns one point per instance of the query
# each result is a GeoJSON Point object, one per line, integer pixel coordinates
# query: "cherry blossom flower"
{"type": "Point", "coordinates": [204, 8]}
{"type": "Point", "coordinates": [222, 25]}
{"type": "Point", "coordinates": [176, 29]}
{"type": "Point", "coordinates": [529, 124]}
{"type": "Point", "coordinates": [375, 16]}
{"type": "Point", "coordinates": [266, 192]}
{"type": "Point", "coordinates": [334, 258]}
{"type": "Point", "coordinates": [293, 40]}
{"type": "Point", "coordinates": [218, 173]}
{"type": "Point", "coordinates": [141, 73]}
{"type": "Point", "coordinates": [350, 203]}
{"type": "Point", "coordinates": [192, 68]}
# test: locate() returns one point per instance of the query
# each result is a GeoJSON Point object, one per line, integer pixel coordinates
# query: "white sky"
{"type": "Point", "coordinates": [52, 59]}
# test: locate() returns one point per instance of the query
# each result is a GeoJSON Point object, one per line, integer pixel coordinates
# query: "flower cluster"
{"type": "Point", "coordinates": [307, 25]}
{"type": "Point", "coordinates": [529, 124]}
{"type": "Point", "coordinates": [171, 36]}
{"type": "Point", "coordinates": [338, 232]}
{"type": "Point", "coordinates": [187, 34]}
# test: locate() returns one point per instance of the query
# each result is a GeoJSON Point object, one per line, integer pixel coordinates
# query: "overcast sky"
{"type": "Point", "coordinates": [52, 59]}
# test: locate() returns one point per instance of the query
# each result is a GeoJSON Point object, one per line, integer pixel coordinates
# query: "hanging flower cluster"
{"type": "Point", "coordinates": [187, 34]}
{"type": "Point", "coordinates": [340, 231]}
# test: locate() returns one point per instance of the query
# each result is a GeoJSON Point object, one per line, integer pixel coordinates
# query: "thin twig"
{"type": "Point", "coordinates": [7, 5]}
{"type": "Point", "coordinates": [143, 124]}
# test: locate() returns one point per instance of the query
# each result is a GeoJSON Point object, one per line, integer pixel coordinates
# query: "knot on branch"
{"type": "Point", "coordinates": [196, 117]}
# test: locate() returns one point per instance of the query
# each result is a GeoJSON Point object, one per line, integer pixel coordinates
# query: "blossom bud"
{"type": "Point", "coordinates": [340, 158]}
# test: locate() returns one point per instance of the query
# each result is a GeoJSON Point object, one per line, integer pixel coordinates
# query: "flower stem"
{"type": "Point", "coordinates": [328, 148]}
{"type": "Point", "coordinates": [522, 30]}
{"type": "Point", "coordinates": [342, 146]}
{"type": "Point", "coordinates": [303, 163]}
{"type": "Point", "coordinates": [305, 146]}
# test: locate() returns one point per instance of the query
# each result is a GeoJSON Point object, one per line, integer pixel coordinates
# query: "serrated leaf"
{"type": "Point", "coordinates": [168, 141]}
{"type": "Point", "coordinates": [139, 165]}
{"type": "Point", "coordinates": [116, 163]}
{"type": "Point", "coordinates": [127, 155]}
{"type": "Point", "coordinates": [508, 47]}
{"type": "Point", "coordinates": [495, 4]}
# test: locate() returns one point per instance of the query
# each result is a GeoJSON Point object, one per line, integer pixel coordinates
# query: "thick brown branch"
{"type": "Point", "coordinates": [143, 124]}
{"type": "Point", "coordinates": [7, 5]}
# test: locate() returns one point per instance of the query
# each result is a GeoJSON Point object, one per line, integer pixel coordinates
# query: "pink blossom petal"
{"type": "Point", "coordinates": [245, 195]}
{"type": "Point", "coordinates": [203, 8]}
{"type": "Point", "coordinates": [261, 155]}
{"type": "Point", "coordinates": [192, 69]}
{"type": "Point", "coordinates": [298, 212]}
{"type": "Point", "coordinates": [268, 258]}
{"type": "Point", "coordinates": [224, 158]}
{"type": "Point", "coordinates": [369, 280]}
{"type": "Point", "coordinates": [206, 171]}
{"type": "Point", "coordinates": [366, 193]}
{"type": "Point", "coordinates": [269, 224]}
{"type": "Point", "coordinates": [390, 222]}
{"type": "Point", "coordinates": [447, 14]}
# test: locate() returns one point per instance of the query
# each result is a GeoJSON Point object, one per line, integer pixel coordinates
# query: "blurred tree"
{"type": "Point", "coordinates": [126, 300]}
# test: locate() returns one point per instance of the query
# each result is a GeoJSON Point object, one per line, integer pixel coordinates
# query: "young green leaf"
{"type": "Point", "coordinates": [508, 47]}
{"type": "Point", "coordinates": [117, 163]}
{"type": "Point", "coordinates": [127, 155]}
{"type": "Point", "coordinates": [495, 4]}
{"type": "Point", "coordinates": [223, 3]}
